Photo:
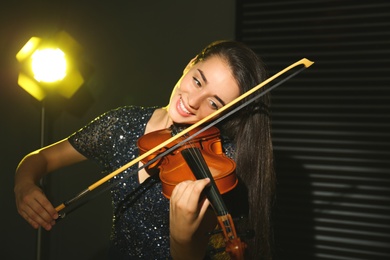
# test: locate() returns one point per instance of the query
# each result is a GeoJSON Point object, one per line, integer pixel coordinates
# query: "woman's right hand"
{"type": "Point", "coordinates": [34, 207]}
{"type": "Point", "coordinates": [31, 202]}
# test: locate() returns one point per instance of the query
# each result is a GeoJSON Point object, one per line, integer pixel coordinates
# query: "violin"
{"type": "Point", "coordinates": [201, 157]}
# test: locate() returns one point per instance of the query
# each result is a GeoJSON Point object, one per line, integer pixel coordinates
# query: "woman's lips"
{"type": "Point", "coordinates": [181, 109]}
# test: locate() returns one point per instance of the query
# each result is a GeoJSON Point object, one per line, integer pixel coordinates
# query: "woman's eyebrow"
{"type": "Point", "coordinates": [202, 75]}
{"type": "Point", "coordinates": [220, 100]}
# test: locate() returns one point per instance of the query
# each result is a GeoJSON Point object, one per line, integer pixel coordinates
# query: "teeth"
{"type": "Point", "coordinates": [183, 107]}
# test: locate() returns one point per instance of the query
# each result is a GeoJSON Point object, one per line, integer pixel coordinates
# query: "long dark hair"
{"type": "Point", "coordinates": [250, 131]}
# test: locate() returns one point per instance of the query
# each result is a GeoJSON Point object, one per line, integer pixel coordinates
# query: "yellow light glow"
{"type": "Point", "coordinates": [49, 65]}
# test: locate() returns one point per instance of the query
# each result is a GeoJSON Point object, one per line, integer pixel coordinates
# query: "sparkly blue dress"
{"type": "Point", "coordinates": [140, 212]}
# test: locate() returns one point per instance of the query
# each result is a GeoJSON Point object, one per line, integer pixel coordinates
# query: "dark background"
{"type": "Point", "coordinates": [138, 50]}
{"type": "Point", "coordinates": [330, 124]}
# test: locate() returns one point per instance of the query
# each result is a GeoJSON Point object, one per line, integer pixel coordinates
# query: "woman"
{"type": "Point", "coordinates": [145, 224]}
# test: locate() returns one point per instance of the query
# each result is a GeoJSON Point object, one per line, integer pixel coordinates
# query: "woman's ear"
{"type": "Point", "coordinates": [189, 65]}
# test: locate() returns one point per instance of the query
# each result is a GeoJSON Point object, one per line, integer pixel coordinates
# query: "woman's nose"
{"type": "Point", "coordinates": [195, 100]}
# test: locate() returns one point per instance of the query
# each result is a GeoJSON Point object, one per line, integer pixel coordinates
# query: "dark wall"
{"type": "Point", "coordinates": [138, 50]}
{"type": "Point", "coordinates": [330, 124]}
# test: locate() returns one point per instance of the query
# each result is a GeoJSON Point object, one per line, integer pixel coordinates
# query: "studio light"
{"type": "Point", "coordinates": [50, 66]}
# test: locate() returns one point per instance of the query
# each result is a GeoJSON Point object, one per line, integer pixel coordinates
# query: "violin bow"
{"type": "Point", "coordinates": [305, 62]}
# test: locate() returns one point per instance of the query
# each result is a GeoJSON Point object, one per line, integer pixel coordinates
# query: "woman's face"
{"type": "Point", "coordinates": [204, 87]}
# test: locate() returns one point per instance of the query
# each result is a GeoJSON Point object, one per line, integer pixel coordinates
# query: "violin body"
{"type": "Point", "coordinates": [173, 168]}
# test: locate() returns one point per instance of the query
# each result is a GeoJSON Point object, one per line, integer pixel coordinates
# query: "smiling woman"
{"type": "Point", "coordinates": [145, 223]}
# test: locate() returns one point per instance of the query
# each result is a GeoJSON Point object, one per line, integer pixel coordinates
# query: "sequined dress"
{"type": "Point", "coordinates": [140, 212]}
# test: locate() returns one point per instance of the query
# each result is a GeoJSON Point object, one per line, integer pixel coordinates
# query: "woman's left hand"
{"type": "Point", "coordinates": [187, 210]}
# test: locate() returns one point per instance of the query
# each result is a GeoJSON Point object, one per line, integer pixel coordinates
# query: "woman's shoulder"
{"type": "Point", "coordinates": [114, 119]}
{"type": "Point", "coordinates": [125, 114]}
{"type": "Point", "coordinates": [132, 110]}
{"type": "Point", "coordinates": [228, 146]}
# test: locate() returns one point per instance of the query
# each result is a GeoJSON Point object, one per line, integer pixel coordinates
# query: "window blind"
{"type": "Point", "coordinates": [331, 123]}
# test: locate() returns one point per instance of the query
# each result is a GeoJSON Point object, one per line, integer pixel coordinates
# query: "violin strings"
{"type": "Point", "coordinates": [214, 194]}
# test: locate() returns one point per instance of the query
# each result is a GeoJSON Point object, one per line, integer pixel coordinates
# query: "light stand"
{"type": "Point", "coordinates": [42, 144]}
{"type": "Point", "coordinates": [39, 87]}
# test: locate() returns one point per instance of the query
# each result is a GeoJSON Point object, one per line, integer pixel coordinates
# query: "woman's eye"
{"type": "Point", "coordinates": [213, 105]}
{"type": "Point", "coordinates": [197, 82]}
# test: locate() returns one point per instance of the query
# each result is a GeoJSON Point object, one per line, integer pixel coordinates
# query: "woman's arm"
{"type": "Point", "coordinates": [31, 202]}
